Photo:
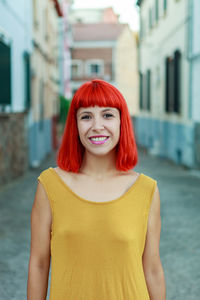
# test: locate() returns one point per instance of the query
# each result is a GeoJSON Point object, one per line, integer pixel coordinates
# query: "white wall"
{"type": "Point", "coordinates": [195, 60]}
{"type": "Point", "coordinates": [86, 15]}
{"type": "Point", "coordinates": [159, 42]}
{"type": "Point", "coordinates": [16, 25]}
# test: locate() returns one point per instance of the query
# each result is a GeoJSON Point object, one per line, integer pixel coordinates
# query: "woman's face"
{"type": "Point", "coordinates": [99, 128]}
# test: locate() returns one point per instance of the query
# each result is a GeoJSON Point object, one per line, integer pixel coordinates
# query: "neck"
{"type": "Point", "coordinates": [99, 167]}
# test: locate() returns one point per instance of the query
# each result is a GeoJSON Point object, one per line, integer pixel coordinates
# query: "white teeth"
{"type": "Point", "coordinates": [99, 139]}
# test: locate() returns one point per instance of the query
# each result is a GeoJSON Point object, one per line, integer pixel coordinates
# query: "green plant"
{"type": "Point", "coordinates": [64, 108]}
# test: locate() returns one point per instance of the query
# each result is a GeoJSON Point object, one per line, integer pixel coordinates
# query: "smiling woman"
{"type": "Point", "coordinates": [94, 218]}
{"type": "Point", "coordinates": [91, 101]}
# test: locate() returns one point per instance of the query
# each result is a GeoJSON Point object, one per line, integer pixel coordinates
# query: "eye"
{"type": "Point", "coordinates": [85, 117]}
{"type": "Point", "coordinates": [108, 115]}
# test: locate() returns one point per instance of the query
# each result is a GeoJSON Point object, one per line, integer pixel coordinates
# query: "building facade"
{"type": "Point", "coordinates": [165, 125]}
{"type": "Point", "coordinates": [45, 80]}
{"type": "Point", "coordinates": [15, 98]}
{"type": "Point", "coordinates": [93, 52]}
{"type": "Point", "coordinates": [92, 15]}
{"type": "Point", "coordinates": [194, 59]}
{"type": "Point", "coordinates": [64, 49]}
{"type": "Point", "coordinates": [94, 35]}
{"type": "Point", "coordinates": [127, 79]}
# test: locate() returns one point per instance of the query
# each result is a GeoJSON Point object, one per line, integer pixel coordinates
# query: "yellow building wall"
{"type": "Point", "coordinates": [44, 61]}
{"type": "Point", "coordinates": [127, 78]}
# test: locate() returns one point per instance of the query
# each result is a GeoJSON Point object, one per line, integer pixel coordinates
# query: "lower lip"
{"type": "Point", "coordinates": [98, 142]}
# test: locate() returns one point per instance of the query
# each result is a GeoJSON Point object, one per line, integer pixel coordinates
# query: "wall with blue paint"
{"type": "Point", "coordinates": [166, 139]}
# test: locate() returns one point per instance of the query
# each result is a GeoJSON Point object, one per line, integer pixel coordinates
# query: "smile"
{"type": "Point", "coordinates": [98, 140]}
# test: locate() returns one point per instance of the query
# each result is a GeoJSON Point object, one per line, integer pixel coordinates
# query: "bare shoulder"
{"type": "Point", "coordinates": [63, 172]}
{"type": "Point", "coordinates": [155, 203]}
{"type": "Point", "coordinates": [41, 202]}
{"type": "Point", "coordinates": [154, 219]}
{"type": "Point", "coordinates": [68, 177]}
{"type": "Point", "coordinates": [131, 174]}
{"type": "Point", "coordinates": [127, 178]}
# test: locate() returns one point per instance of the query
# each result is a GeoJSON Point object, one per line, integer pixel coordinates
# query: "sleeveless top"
{"type": "Point", "coordinates": [97, 247]}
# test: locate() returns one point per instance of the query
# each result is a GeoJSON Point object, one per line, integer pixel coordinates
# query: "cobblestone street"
{"type": "Point", "coordinates": [180, 235]}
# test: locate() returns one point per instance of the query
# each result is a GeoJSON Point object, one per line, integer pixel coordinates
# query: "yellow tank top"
{"type": "Point", "coordinates": [96, 247]}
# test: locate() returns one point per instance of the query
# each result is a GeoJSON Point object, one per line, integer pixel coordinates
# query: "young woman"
{"type": "Point", "coordinates": [94, 217]}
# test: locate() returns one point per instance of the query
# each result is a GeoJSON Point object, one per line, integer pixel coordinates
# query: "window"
{"type": "Point", "coordinates": [41, 104]}
{"type": "Point", "coordinates": [157, 11]}
{"type": "Point", "coordinates": [145, 90]}
{"type": "Point", "coordinates": [142, 27]}
{"type": "Point", "coordinates": [153, 13]}
{"type": "Point", "coordinates": [141, 90]}
{"type": "Point", "coordinates": [74, 71]}
{"type": "Point", "coordinates": [46, 24]}
{"type": "Point", "coordinates": [148, 89]}
{"type": "Point", "coordinates": [27, 82]}
{"type": "Point", "coordinates": [35, 14]}
{"type": "Point", "coordinates": [173, 82]}
{"type": "Point", "coordinates": [76, 68]}
{"type": "Point", "coordinates": [164, 5]}
{"type": "Point", "coordinates": [5, 73]}
{"type": "Point", "coordinates": [150, 18]}
{"type": "Point", "coordinates": [177, 80]}
{"type": "Point", "coordinates": [94, 68]}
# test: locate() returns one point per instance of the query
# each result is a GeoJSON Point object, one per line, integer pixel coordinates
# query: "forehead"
{"type": "Point", "coordinates": [97, 109]}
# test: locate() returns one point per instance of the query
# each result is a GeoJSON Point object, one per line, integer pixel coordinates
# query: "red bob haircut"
{"type": "Point", "coordinates": [97, 93]}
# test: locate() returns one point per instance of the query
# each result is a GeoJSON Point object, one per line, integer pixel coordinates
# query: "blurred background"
{"type": "Point", "coordinates": [149, 50]}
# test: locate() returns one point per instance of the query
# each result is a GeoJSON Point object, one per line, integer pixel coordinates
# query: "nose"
{"type": "Point", "coordinates": [97, 123]}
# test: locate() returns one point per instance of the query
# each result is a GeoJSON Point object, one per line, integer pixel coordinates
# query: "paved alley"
{"type": "Point", "coordinates": [180, 236]}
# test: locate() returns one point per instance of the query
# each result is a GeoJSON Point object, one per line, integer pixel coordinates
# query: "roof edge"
{"type": "Point", "coordinates": [58, 8]}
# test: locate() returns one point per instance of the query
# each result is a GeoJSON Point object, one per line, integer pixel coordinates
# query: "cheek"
{"type": "Point", "coordinates": [116, 129]}
{"type": "Point", "coordinates": [82, 128]}
{"type": "Point", "coordinates": [118, 132]}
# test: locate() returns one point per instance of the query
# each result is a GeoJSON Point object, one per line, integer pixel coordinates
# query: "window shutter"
{"type": "Point", "coordinates": [167, 84]}
{"type": "Point", "coordinates": [5, 74]}
{"type": "Point", "coordinates": [141, 90]}
{"type": "Point", "coordinates": [148, 89]}
{"type": "Point", "coordinates": [27, 79]}
{"type": "Point", "coordinates": [177, 80]}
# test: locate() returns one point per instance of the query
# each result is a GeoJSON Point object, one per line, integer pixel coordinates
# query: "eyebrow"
{"type": "Point", "coordinates": [86, 112]}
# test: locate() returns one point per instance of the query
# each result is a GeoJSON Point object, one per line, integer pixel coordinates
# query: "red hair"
{"type": "Point", "coordinates": [100, 93]}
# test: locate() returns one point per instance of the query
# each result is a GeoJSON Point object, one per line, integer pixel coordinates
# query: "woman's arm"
{"type": "Point", "coordinates": [39, 262]}
{"type": "Point", "coordinates": [152, 265]}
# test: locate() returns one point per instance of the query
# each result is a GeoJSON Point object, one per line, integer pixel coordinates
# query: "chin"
{"type": "Point", "coordinates": [101, 152]}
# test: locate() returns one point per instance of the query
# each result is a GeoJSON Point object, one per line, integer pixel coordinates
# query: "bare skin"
{"type": "Point", "coordinates": [99, 190]}
{"type": "Point", "coordinates": [98, 176]}
{"type": "Point", "coordinates": [153, 270]}
{"type": "Point", "coordinates": [39, 262]}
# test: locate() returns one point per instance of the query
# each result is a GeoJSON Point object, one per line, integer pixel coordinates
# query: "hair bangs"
{"type": "Point", "coordinates": [97, 93]}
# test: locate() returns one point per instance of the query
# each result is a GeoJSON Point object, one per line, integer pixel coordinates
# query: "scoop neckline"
{"type": "Point", "coordinates": [96, 202]}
